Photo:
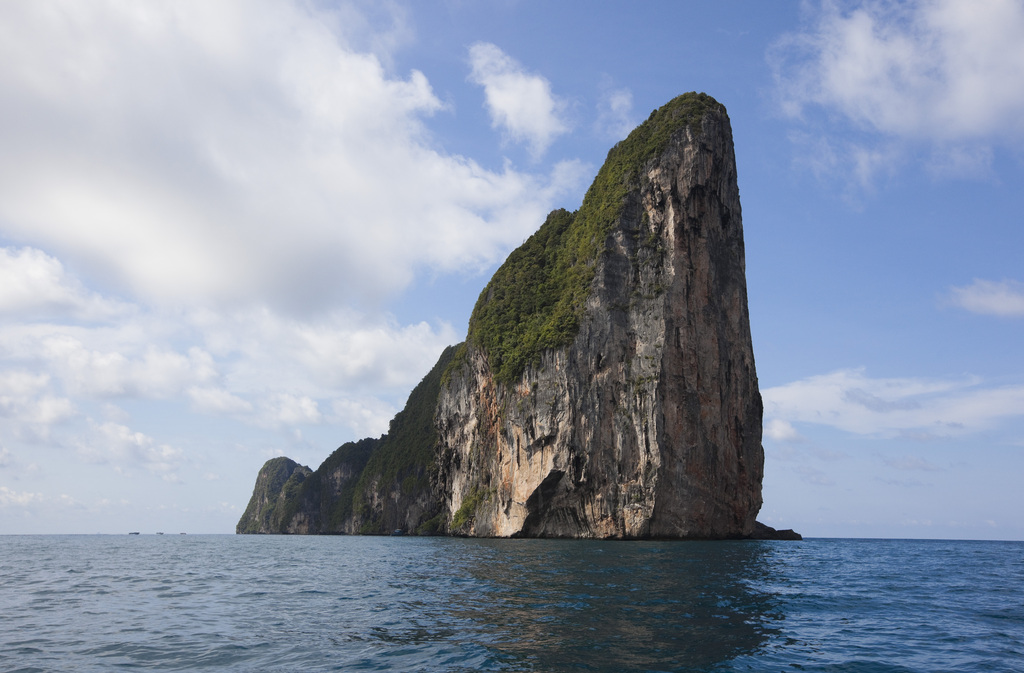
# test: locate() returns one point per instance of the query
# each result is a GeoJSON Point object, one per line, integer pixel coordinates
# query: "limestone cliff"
{"type": "Point", "coordinates": [607, 384]}
{"type": "Point", "coordinates": [372, 486]}
{"type": "Point", "coordinates": [646, 421]}
{"type": "Point", "coordinates": [276, 485]}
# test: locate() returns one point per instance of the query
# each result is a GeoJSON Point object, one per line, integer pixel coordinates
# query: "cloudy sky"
{"type": "Point", "coordinates": [234, 230]}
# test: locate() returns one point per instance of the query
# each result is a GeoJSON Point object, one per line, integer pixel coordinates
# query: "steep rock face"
{"type": "Point", "coordinates": [647, 421]}
{"type": "Point", "coordinates": [394, 491]}
{"type": "Point", "coordinates": [607, 385]}
{"type": "Point", "coordinates": [323, 503]}
{"type": "Point", "coordinates": [372, 486]}
{"type": "Point", "coordinates": [270, 495]}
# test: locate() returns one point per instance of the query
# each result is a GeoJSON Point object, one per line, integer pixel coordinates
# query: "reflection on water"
{"type": "Point", "coordinates": [235, 604]}
{"type": "Point", "coordinates": [611, 606]}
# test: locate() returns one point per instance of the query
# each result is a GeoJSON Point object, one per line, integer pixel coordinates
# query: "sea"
{"type": "Point", "coordinates": [281, 603]}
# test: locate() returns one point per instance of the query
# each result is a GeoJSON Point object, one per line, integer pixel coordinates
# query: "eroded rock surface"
{"type": "Point", "coordinates": [270, 497]}
{"type": "Point", "coordinates": [648, 424]}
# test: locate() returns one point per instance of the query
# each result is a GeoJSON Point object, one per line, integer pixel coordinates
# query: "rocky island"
{"type": "Point", "coordinates": [606, 387]}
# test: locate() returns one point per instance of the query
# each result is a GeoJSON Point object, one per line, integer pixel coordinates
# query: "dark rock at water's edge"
{"type": "Point", "coordinates": [763, 532]}
{"type": "Point", "coordinates": [606, 388]}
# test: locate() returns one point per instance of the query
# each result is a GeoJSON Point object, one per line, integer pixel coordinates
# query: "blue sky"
{"type": "Point", "coordinates": [236, 230]}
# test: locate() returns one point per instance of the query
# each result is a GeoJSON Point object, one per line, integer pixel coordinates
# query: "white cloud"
{"type": "Point", "coordinates": [780, 430]}
{"type": "Point", "coordinates": [894, 407]}
{"type": "Point", "coordinates": [238, 152]}
{"type": "Point", "coordinates": [18, 498]}
{"type": "Point", "coordinates": [358, 366]}
{"type": "Point", "coordinates": [118, 444]}
{"type": "Point", "coordinates": [382, 352]}
{"type": "Point", "coordinates": [944, 72]}
{"type": "Point", "coordinates": [289, 409]}
{"type": "Point", "coordinates": [368, 417]}
{"type": "Point", "coordinates": [217, 401]}
{"type": "Point", "coordinates": [519, 102]}
{"type": "Point", "coordinates": [34, 284]}
{"type": "Point", "coordinates": [49, 410]}
{"type": "Point", "coordinates": [29, 405]}
{"type": "Point", "coordinates": [154, 373]}
{"type": "Point", "coordinates": [1005, 298]}
{"type": "Point", "coordinates": [113, 412]}
{"type": "Point", "coordinates": [615, 114]}
{"type": "Point", "coordinates": [20, 383]}
{"type": "Point", "coordinates": [343, 350]}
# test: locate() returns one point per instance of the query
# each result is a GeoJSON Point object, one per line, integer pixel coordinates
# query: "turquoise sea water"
{"type": "Point", "coordinates": [255, 603]}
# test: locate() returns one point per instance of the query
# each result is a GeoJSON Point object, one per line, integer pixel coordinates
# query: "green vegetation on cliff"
{"type": "Point", "coordinates": [405, 457]}
{"type": "Point", "coordinates": [277, 477]}
{"type": "Point", "coordinates": [466, 513]}
{"type": "Point", "coordinates": [354, 456]}
{"type": "Point", "coordinates": [536, 298]}
{"type": "Point", "coordinates": [534, 302]}
{"type": "Point", "coordinates": [371, 482]}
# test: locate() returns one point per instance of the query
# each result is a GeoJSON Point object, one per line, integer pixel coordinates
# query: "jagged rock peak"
{"type": "Point", "coordinates": [607, 386]}
{"type": "Point", "coordinates": [536, 299]}
{"type": "Point", "coordinates": [276, 481]}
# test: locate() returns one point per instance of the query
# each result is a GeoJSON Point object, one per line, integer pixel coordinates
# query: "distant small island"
{"type": "Point", "coordinates": [606, 387]}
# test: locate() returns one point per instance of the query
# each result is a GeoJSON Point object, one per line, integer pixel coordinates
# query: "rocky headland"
{"type": "Point", "coordinates": [606, 387]}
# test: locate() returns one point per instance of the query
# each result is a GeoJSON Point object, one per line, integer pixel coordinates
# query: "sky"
{"type": "Point", "coordinates": [236, 230]}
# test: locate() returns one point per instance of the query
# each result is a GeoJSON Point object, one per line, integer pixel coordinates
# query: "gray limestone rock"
{"type": "Point", "coordinates": [277, 482]}
{"type": "Point", "coordinates": [648, 423]}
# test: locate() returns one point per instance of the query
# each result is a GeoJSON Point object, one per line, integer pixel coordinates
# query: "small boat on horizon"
{"type": "Point", "coordinates": [134, 532]}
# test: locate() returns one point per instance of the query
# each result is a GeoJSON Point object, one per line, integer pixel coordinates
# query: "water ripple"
{"type": "Point", "coordinates": [240, 603]}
